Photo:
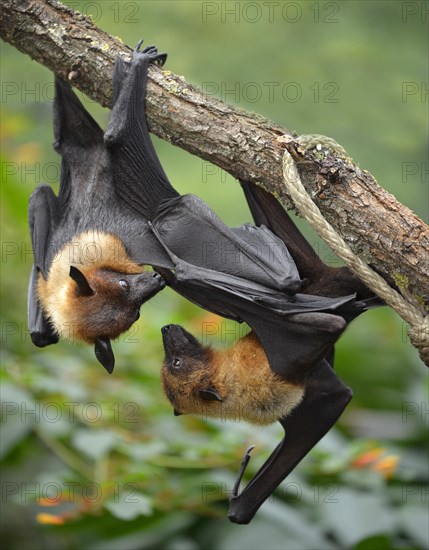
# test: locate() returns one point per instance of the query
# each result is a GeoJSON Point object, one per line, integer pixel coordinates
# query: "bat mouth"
{"type": "Point", "coordinates": [149, 284]}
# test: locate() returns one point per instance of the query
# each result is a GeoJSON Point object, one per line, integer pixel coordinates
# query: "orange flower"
{"type": "Point", "coordinates": [368, 457]}
{"type": "Point", "coordinates": [374, 460]}
{"type": "Point", "coordinates": [386, 466]}
{"type": "Point", "coordinates": [50, 519]}
{"type": "Point", "coordinates": [49, 501]}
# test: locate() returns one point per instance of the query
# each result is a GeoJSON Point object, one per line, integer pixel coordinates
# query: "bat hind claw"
{"type": "Point", "coordinates": [139, 43]}
{"type": "Point", "coordinates": [152, 52]}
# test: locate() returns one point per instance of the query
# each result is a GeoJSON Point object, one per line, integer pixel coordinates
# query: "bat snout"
{"type": "Point", "coordinates": [182, 349]}
{"type": "Point", "coordinates": [148, 284]}
{"type": "Point", "coordinates": [174, 338]}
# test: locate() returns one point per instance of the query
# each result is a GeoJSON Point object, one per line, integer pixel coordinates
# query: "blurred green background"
{"type": "Point", "coordinates": [116, 468]}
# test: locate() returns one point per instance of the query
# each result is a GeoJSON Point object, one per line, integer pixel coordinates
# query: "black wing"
{"type": "Point", "coordinates": [79, 141]}
{"type": "Point", "coordinates": [42, 213]}
{"type": "Point", "coordinates": [139, 179]}
{"type": "Point", "coordinates": [324, 400]}
{"type": "Point", "coordinates": [320, 279]}
{"type": "Point", "coordinates": [242, 284]}
{"type": "Point", "coordinates": [196, 235]}
{"type": "Point", "coordinates": [77, 138]}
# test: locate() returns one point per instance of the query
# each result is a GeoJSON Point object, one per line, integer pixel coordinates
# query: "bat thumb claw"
{"type": "Point", "coordinates": [244, 463]}
{"type": "Point", "coordinates": [248, 451]}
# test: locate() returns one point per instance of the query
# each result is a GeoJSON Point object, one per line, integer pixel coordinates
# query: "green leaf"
{"type": "Point", "coordinates": [414, 520]}
{"type": "Point", "coordinates": [129, 506]}
{"type": "Point", "coordinates": [357, 515]}
{"type": "Point", "coordinates": [380, 542]}
{"type": "Point", "coordinates": [18, 415]}
{"type": "Point", "coordinates": [95, 444]}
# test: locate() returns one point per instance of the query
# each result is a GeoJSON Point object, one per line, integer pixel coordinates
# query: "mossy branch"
{"type": "Point", "coordinates": [377, 227]}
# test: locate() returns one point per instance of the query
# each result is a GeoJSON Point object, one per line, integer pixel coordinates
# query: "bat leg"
{"type": "Point", "coordinates": [75, 131]}
{"type": "Point", "coordinates": [127, 138]}
{"type": "Point", "coordinates": [325, 399]}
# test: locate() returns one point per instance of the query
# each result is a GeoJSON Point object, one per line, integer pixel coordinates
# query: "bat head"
{"type": "Point", "coordinates": [94, 291]}
{"type": "Point", "coordinates": [187, 376]}
{"type": "Point", "coordinates": [106, 303]}
{"type": "Point", "coordinates": [96, 304]}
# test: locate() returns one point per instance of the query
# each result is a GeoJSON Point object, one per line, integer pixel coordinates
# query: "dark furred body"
{"type": "Point", "coordinates": [90, 241]}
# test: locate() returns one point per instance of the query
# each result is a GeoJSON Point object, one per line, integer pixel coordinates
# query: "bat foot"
{"type": "Point", "coordinates": [139, 43]}
{"type": "Point", "coordinates": [244, 463]}
{"type": "Point", "coordinates": [152, 52]}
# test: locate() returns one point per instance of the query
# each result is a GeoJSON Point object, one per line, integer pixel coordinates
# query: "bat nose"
{"type": "Point", "coordinates": [146, 276]}
{"type": "Point", "coordinates": [147, 285]}
{"type": "Point", "coordinates": [174, 338]}
{"type": "Point", "coordinates": [173, 330]}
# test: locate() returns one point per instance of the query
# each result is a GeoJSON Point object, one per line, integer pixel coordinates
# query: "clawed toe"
{"type": "Point", "coordinates": [152, 51]}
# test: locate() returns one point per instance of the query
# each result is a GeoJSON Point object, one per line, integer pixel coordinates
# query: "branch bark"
{"type": "Point", "coordinates": [378, 228]}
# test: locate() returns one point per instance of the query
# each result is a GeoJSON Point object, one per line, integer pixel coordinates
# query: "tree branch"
{"type": "Point", "coordinates": [378, 228]}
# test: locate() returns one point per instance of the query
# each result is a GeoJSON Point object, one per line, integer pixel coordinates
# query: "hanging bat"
{"type": "Point", "coordinates": [116, 212]}
{"type": "Point", "coordinates": [88, 281]}
{"type": "Point", "coordinates": [281, 371]}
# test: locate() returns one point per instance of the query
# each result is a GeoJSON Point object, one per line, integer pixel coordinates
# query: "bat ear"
{"type": "Point", "coordinates": [177, 413]}
{"type": "Point", "coordinates": [83, 288]}
{"type": "Point", "coordinates": [209, 394]}
{"type": "Point", "coordinates": [104, 353]}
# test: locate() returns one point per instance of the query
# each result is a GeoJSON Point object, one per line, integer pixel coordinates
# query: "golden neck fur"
{"type": "Point", "coordinates": [243, 379]}
{"type": "Point", "coordinates": [89, 252]}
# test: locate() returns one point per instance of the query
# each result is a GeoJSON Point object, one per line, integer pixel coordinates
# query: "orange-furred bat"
{"type": "Point", "coordinates": [239, 383]}
{"type": "Point", "coordinates": [235, 383]}
{"type": "Point", "coordinates": [88, 281]}
{"type": "Point", "coordinates": [281, 371]}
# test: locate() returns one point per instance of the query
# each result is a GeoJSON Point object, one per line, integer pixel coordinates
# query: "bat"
{"type": "Point", "coordinates": [281, 371]}
{"type": "Point", "coordinates": [117, 212]}
{"type": "Point", "coordinates": [88, 280]}
{"type": "Point", "coordinates": [239, 384]}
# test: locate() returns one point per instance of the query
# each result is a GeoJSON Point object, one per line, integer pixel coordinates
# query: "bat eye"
{"type": "Point", "coordinates": [176, 363]}
{"type": "Point", "coordinates": [124, 284]}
